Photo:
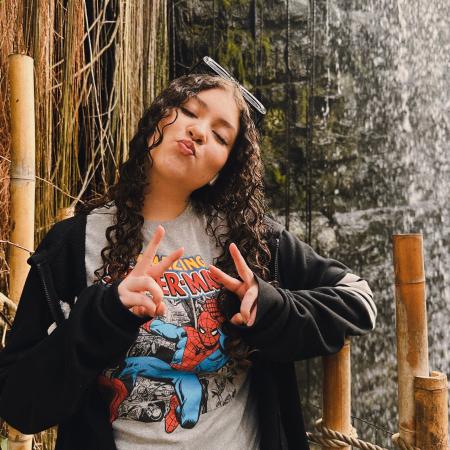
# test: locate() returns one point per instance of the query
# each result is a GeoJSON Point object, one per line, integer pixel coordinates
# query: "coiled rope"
{"type": "Point", "coordinates": [335, 439]}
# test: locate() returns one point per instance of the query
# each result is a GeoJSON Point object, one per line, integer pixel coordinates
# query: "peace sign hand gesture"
{"type": "Point", "coordinates": [139, 291]}
{"type": "Point", "coordinates": [246, 290]}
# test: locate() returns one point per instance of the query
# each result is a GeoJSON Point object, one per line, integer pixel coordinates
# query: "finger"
{"type": "Point", "coordinates": [158, 270]}
{"type": "Point", "coordinates": [161, 309]}
{"type": "Point", "coordinates": [148, 305]}
{"type": "Point", "coordinates": [137, 300]}
{"type": "Point", "coordinates": [139, 311]}
{"type": "Point", "coordinates": [252, 314]}
{"type": "Point", "coordinates": [150, 309]}
{"type": "Point", "coordinates": [237, 319]}
{"type": "Point", "coordinates": [141, 285]}
{"type": "Point", "coordinates": [230, 283]}
{"type": "Point", "coordinates": [243, 270]}
{"type": "Point", "coordinates": [248, 304]}
{"type": "Point", "coordinates": [146, 261]}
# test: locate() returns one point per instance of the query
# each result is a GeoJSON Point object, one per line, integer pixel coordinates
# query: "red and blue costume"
{"type": "Point", "coordinates": [198, 350]}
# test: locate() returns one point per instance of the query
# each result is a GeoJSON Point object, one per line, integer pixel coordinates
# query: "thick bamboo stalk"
{"type": "Point", "coordinates": [411, 324]}
{"type": "Point", "coordinates": [19, 441]}
{"type": "Point", "coordinates": [22, 189]}
{"type": "Point", "coordinates": [337, 392]}
{"type": "Point", "coordinates": [431, 397]}
{"type": "Point", "coordinates": [22, 169]}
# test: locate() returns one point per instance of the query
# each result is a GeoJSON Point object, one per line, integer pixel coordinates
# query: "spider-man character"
{"type": "Point", "coordinates": [197, 350]}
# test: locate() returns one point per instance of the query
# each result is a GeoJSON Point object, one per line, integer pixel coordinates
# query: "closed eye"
{"type": "Point", "coordinates": [189, 114]}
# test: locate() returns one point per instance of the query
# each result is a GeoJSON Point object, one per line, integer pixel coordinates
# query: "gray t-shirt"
{"type": "Point", "coordinates": [177, 387]}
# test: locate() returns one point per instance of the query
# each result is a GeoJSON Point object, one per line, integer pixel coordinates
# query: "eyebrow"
{"type": "Point", "coordinates": [221, 120]}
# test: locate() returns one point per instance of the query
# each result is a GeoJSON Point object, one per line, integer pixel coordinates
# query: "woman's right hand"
{"type": "Point", "coordinates": [142, 279]}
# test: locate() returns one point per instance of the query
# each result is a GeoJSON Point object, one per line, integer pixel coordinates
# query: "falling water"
{"type": "Point", "coordinates": [389, 62]}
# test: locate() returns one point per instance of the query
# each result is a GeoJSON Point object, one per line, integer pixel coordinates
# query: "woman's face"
{"type": "Point", "coordinates": [210, 122]}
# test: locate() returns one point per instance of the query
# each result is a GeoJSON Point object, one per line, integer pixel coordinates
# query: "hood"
{"type": "Point", "coordinates": [59, 261]}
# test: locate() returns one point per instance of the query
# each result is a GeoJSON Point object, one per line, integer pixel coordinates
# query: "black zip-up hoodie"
{"type": "Point", "coordinates": [48, 379]}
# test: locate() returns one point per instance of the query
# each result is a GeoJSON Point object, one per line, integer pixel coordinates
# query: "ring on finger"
{"type": "Point", "coordinates": [148, 294]}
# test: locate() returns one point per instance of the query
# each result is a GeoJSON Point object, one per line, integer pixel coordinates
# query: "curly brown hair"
{"type": "Point", "coordinates": [237, 195]}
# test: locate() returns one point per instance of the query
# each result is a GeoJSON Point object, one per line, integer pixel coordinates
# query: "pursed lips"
{"type": "Point", "coordinates": [187, 145]}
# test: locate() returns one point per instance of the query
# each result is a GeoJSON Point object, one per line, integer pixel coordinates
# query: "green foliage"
{"type": "Point", "coordinates": [278, 176]}
{"type": "Point", "coordinates": [231, 4]}
{"type": "Point", "coordinates": [303, 100]}
{"type": "Point", "coordinates": [234, 49]}
{"type": "Point", "coordinates": [275, 120]}
{"type": "Point", "coordinates": [266, 46]}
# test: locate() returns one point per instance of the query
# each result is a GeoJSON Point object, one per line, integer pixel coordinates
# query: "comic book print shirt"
{"type": "Point", "coordinates": [177, 387]}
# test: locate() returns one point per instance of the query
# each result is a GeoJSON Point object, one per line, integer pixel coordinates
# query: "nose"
{"type": "Point", "coordinates": [197, 133]}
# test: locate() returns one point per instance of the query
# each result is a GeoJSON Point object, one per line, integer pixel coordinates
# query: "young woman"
{"type": "Point", "coordinates": [169, 313]}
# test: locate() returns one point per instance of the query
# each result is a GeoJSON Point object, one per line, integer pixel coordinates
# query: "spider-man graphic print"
{"type": "Point", "coordinates": [178, 367]}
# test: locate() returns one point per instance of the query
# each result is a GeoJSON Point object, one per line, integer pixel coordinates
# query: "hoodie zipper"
{"type": "Point", "coordinates": [276, 260]}
{"type": "Point", "coordinates": [57, 314]}
{"type": "Point", "coordinates": [276, 281]}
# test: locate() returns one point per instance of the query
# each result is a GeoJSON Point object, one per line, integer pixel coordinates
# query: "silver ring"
{"type": "Point", "coordinates": [148, 294]}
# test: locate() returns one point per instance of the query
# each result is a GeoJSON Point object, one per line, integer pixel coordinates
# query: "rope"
{"type": "Point", "coordinates": [335, 439]}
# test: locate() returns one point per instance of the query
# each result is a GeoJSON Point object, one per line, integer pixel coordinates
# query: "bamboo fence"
{"type": "Point", "coordinates": [422, 395]}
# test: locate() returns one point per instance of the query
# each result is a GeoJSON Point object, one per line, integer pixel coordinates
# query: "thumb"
{"type": "Point", "coordinates": [237, 319]}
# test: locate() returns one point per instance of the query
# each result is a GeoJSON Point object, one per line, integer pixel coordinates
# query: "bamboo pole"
{"type": "Point", "coordinates": [411, 324]}
{"type": "Point", "coordinates": [22, 169]}
{"type": "Point", "coordinates": [18, 441]}
{"type": "Point", "coordinates": [22, 190]}
{"type": "Point", "coordinates": [337, 392]}
{"type": "Point", "coordinates": [431, 397]}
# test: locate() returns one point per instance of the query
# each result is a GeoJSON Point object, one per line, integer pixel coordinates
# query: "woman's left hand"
{"type": "Point", "coordinates": [246, 290]}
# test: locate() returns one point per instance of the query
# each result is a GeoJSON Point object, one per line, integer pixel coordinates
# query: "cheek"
{"type": "Point", "coordinates": [219, 159]}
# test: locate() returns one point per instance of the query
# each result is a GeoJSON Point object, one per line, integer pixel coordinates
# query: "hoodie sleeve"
{"type": "Point", "coordinates": [44, 378]}
{"type": "Point", "coordinates": [320, 303]}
